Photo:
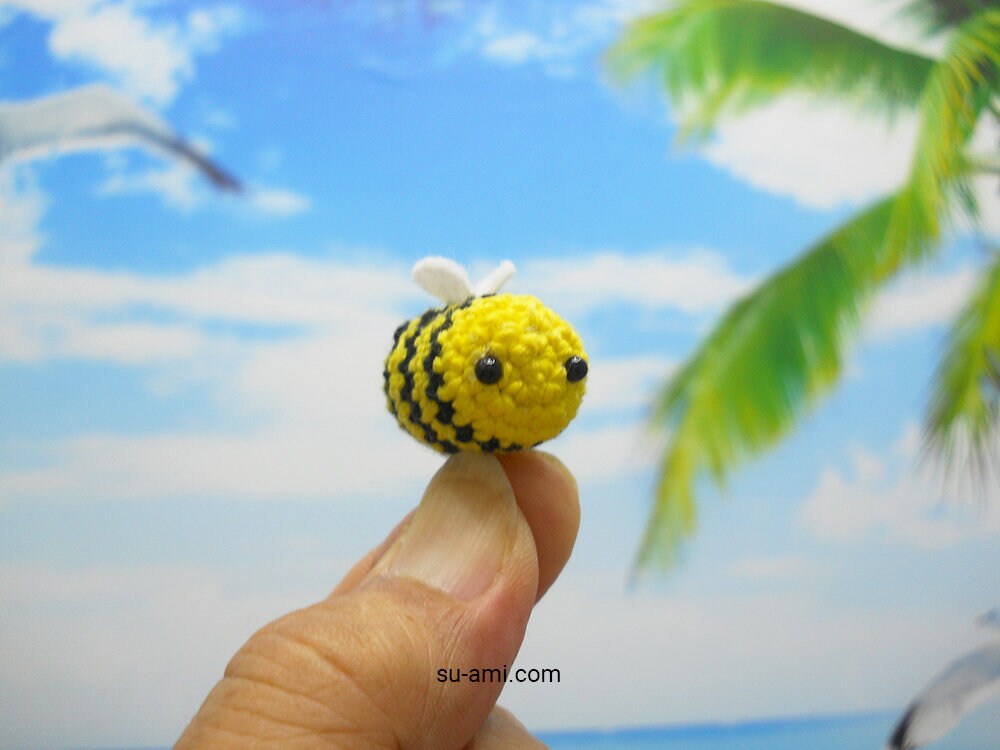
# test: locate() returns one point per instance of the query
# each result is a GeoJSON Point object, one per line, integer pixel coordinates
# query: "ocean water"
{"type": "Point", "coordinates": [981, 731]}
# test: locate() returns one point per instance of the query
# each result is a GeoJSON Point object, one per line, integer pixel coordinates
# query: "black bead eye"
{"type": "Point", "coordinates": [576, 369]}
{"type": "Point", "coordinates": [489, 370]}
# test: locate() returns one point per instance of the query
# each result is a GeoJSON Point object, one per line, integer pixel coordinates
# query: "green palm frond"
{"type": "Point", "coordinates": [769, 356]}
{"type": "Point", "coordinates": [781, 347]}
{"type": "Point", "coordinates": [717, 56]}
{"type": "Point", "coordinates": [958, 90]}
{"type": "Point", "coordinates": [964, 413]}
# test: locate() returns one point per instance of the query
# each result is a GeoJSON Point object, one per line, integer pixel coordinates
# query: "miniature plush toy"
{"type": "Point", "coordinates": [487, 372]}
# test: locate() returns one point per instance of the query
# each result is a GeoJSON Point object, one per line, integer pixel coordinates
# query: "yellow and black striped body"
{"type": "Point", "coordinates": [496, 373]}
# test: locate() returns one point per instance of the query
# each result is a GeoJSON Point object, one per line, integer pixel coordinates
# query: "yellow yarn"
{"type": "Point", "coordinates": [432, 386]}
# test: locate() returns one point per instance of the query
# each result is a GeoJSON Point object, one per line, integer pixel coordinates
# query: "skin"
{"type": "Point", "coordinates": [452, 586]}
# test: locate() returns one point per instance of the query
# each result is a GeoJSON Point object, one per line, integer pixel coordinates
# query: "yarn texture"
{"type": "Point", "coordinates": [496, 373]}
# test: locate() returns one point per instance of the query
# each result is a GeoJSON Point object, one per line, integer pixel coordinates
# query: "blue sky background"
{"type": "Point", "coordinates": [194, 440]}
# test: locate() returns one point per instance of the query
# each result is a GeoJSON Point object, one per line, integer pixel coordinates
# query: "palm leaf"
{"type": "Point", "coordinates": [958, 90]}
{"type": "Point", "coordinates": [770, 355]}
{"type": "Point", "coordinates": [965, 408]}
{"type": "Point", "coordinates": [781, 347]}
{"type": "Point", "coordinates": [717, 56]}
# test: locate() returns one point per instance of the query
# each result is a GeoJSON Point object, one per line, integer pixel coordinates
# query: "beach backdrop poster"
{"type": "Point", "coordinates": [193, 437]}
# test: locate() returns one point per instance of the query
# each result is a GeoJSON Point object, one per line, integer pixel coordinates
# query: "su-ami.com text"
{"type": "Point", "coordinates": [498, 674]}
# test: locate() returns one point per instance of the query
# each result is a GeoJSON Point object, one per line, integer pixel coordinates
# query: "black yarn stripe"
{"type": "Point", "coordinates": [406, 394]}
{"type": "Point", "coordinates": [385, 370]}
{"type": "Point", "coordinates": [445, 409]}
{"type": "Point", "coordinates": [416, 417]}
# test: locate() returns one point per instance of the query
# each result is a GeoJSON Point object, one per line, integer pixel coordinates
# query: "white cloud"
{"type": "Point", "coordinates": [821, 154]}
{"type": "Point", "coordinates": [312, 419]}
{"type": "Point", "coordinates": [220, 119]}
{"type": "Point", "coordinates": [276, 289]}
{"type": "Point", "coordinates": [987, 187]}
{"type": "Point", "coordinates": [557, 36]}
{"type": "Point", "coordinates": [206, 27]}
{"type": "Point", "coordinates": [626, 383]}
{"type": "Point", "coordinates": [19, 218]}
{"type": "Point", "coordinates": [318, 424]}
{"type": "Point", "coordinates": [787, 568]}
{"type": "Point", "coordinates": [696, 284]}
{"type": "Point", "coordinates": [311, 392]}
{"type": "Point", "coordinates": [684, 659]}
{"type": "Point", "coordinates": [146, 61]}
{"type": "Point", "coordinates": [150, 640]}
{"type": "Point", "coordinates": [279, 201]}
{"type": "Point", "coordinates": [613, 13]}
{"type": "Point", "coordinates": [515, 48]}
{"type": "Point", "coordinates": [183, 189]}
{"type": "Point", "coordinates": [129, 343]}
{"type": "Point", "coordinates": [176, 184]}
{"type": "Point", "coordinates": [565, 33]}
{"type": "Point", "coordinates": [277, 463]}
{"type": "Point", "coordinates": [919, 301]}
{"type": "Point", "coordinates": [326, 435]}
{"type": "Point", "coordinates": [321, 427]}
{"type": "Point", "coordinates": [825, 154]}
{"type": "Point", "coordinates": [605, 452]}
{"type": "Point", "coordinates": [899, 500]}
{"type": "Point", "coordinates": [149, 58]}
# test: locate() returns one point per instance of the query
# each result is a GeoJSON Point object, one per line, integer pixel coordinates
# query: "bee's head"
{"type": "Point", "coordinates": [513, 369]}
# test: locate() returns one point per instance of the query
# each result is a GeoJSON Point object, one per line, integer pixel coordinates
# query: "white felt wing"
{"type": "Point", "coordinates": [492, 283]}
{"type": "Point", "coordinates": [443, 278]}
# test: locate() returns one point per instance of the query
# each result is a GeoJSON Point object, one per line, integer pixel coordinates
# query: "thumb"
{"type": "Point", "coordinates": [451, 593]}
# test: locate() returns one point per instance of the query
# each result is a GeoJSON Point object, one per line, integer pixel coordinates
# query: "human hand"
{"type": "Point", "coordinates": [451, 587]}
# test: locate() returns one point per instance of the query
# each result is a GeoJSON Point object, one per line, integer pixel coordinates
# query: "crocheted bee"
{"type": "Point", "coordinates": [487, 372]}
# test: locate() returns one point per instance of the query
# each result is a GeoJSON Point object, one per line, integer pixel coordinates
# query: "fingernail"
{"type": "Point", "coordinates": [462, 528]}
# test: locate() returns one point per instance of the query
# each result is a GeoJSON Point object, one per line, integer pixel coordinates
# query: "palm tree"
{"type": "Point", "coordinates": [782, 346]}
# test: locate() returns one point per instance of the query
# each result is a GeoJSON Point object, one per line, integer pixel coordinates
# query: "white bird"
{"type": "Point", "coordinates": [966, 684]}
{"type": "Point", "coordinates": [89, 118]}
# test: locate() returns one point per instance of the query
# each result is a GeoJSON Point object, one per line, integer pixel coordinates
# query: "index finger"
{"type": "Point", "coordinates": [548, 498]}
{"type": "Point", "coordinates": [547, 495]}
